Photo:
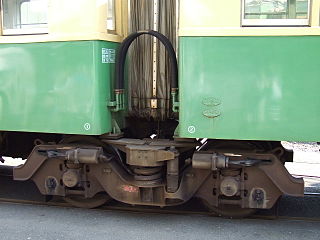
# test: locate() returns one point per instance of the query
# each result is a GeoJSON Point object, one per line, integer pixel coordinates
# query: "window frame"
{"type": "Point", "coordinates": [20, 31]}
{"type": "Point", "coordinates": [275, 22]}
{"type": "Point", "coordinates": [1, 20]}
{"type": "Point", "coordinates": [114, 17]}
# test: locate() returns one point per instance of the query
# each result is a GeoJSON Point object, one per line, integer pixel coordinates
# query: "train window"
{"type": "Point", "coordinates": [24, 16]}
{"type": "Point", "coordinates": [111, 19]}
{"type": "Point", "coordinates": [275, 12]}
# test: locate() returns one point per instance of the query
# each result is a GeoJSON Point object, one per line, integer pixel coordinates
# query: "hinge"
{"type": "Point", "coordinates": [154, 103]}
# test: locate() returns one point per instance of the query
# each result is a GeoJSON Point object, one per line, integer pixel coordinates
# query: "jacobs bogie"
{"type": "Point", "coordinates": [159, 173]}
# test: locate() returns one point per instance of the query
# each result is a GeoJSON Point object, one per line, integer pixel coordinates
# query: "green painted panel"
{"type": "Point", "coordinates": [259, 88]}
{"type": "Point", "coordinates": [56, 87]}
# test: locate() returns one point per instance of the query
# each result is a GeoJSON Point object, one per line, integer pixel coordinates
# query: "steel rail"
{"type": "Point", "coordinates": [59, 202]}
{"type": "Point", "coordinates": [153, 210]}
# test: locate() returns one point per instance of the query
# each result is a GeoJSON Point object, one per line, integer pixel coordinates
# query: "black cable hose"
{"type": "Point", "coordinates": [123, 50]}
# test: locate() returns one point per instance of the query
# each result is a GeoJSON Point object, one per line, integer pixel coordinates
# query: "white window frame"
{"type": "Point", "coordinates": [275, 22]}
{"type": "Point", "coordinates": [112, 19]}
{"type": "Point", "coordinates": [27, 31]}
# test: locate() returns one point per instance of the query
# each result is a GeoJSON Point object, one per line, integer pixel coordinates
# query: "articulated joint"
{"type": "Point", "coordinates": [175, 102]}
{"type": "Point", "coordinates": [118, 104]}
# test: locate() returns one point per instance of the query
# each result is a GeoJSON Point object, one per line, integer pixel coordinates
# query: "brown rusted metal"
{"type": "Point", "coordinates": [34, 162]}
{"type": "Point", "coordinates": [147, 156]}
{"type": "Point", "coordinates": [260, 184]}
{"type": "Point", "coordinates": [94, 202]}
{"type": "Point", "coordinates": [173, 172]}
{"type": "Point", "coordinates": [152, 175]}
{"type": "Point", "coordinates": [71, 178]}
{"type": "Point", "coordinates": [280, 176]}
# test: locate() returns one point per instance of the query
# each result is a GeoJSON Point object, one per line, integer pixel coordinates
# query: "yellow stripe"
{"type": "Point", "coordinates": [223, 18]}
{"type": "Point", "coordinates": [251, 31]}
{"type": "Point", "coordinates": [72, 20]}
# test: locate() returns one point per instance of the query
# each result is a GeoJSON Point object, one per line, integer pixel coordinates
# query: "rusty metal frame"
{"type": "Point", "coordinates": [269, 180]}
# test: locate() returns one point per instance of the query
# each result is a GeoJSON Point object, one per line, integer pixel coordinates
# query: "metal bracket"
{"type": "Point", "coordinates": [148, 156]}
{"type": "Point", "coordinates": [154, 103]}
{"type": "Point", "coordinates": [175, 102]}
{"type": "Point", "coordinates": [118, 104]}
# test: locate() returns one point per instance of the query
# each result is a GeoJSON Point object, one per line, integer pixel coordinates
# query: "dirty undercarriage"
{"type": "Point", "coordinates": [90, 172]}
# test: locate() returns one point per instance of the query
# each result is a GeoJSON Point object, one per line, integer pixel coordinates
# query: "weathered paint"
{"type": "Point", "coordinates": [263, 88]}
{"type": "Point", "coordinates": [55, 87]}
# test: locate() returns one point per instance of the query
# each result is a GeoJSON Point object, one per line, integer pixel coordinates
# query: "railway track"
{"type": "Point", "coordinates": [191, 208]}
{"type": "Point", "coordinates": [153, 210]}
{"type": "Point", "coordinates": [290, 208]}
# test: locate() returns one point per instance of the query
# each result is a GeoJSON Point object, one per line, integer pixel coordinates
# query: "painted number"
{"type": "Point", "coordinates": [191, 129]}
{"type": "Point", "coordinates": [87, 126]}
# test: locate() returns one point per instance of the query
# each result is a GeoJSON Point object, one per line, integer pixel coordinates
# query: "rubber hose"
{"type": "Point", "coordinates": [123, 50]}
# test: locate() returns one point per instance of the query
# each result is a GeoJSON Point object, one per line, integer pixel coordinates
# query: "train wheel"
{"type": "Point", "coordinates": [78, 200]}
{"type": "Point", "coordinates": [94, 202]}
{"type": "Point", "coordinates": [230, 211]}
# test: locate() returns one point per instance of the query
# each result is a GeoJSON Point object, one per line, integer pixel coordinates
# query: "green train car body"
{"type": "Point", "coordinates": [57, 87]}
{"type": "Point", "coordinates": [250, 88]}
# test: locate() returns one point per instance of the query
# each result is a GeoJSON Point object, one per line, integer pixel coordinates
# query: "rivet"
{"type": "Point", "coordinates": [189, 175]}
{"type": "Point", "coordinates": [107, 170]}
